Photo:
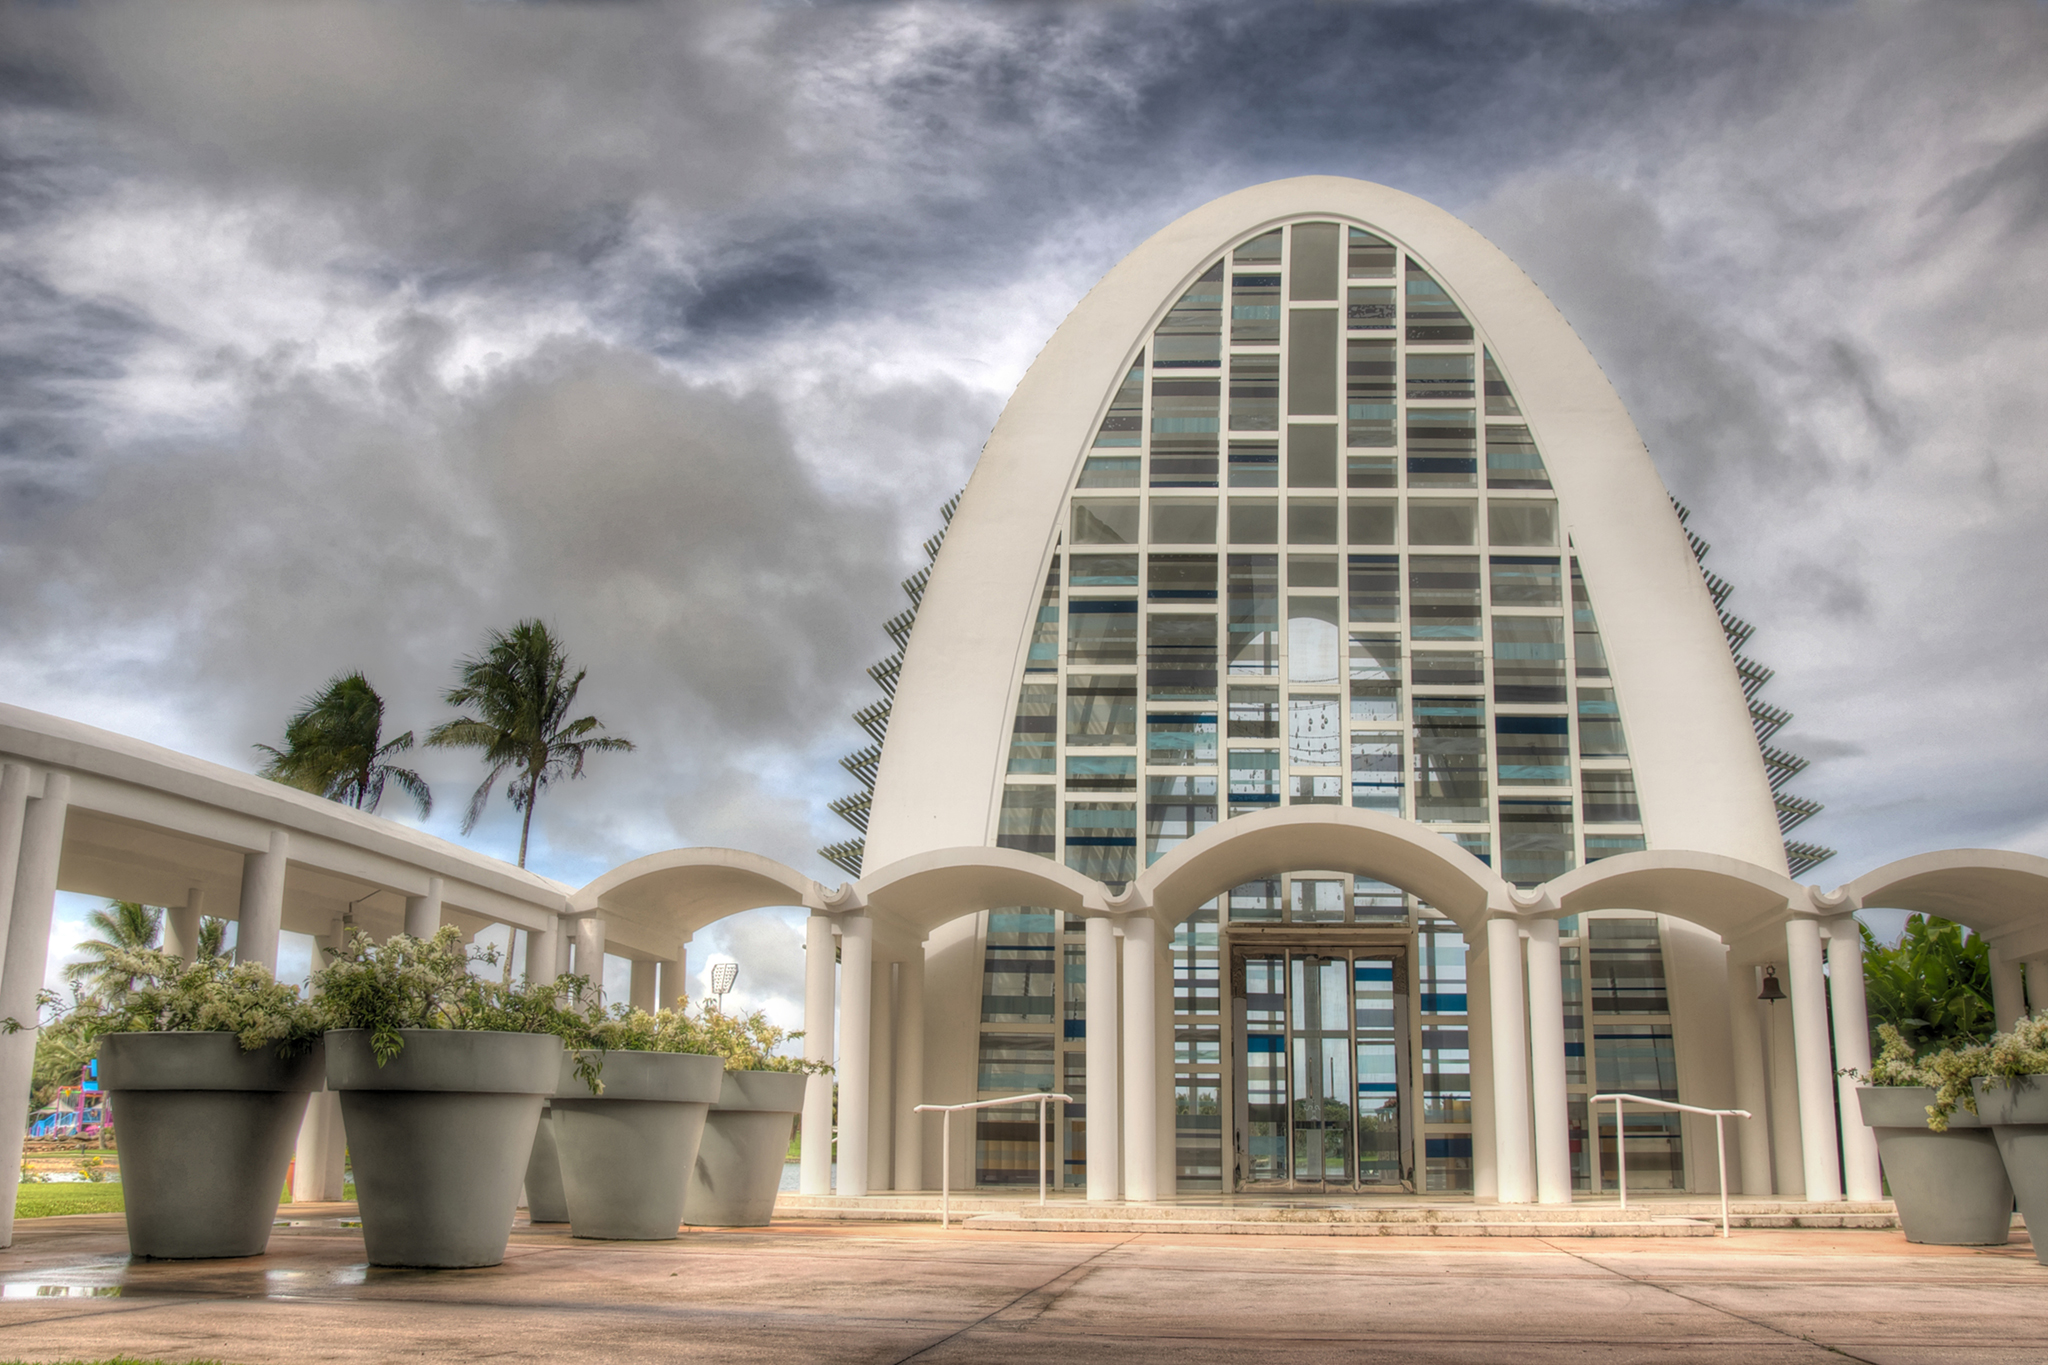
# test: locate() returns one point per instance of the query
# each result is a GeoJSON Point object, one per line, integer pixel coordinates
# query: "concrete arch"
{"type": "Point", "coordinates": [681, 890]}
{"type": "Point", "coordinates": [1728, 896]}
{"type": "Point", "coordinates": [922, 892]}
{"type": "Point", "coordinates": [1335, 838]}
{"type": "Point", "coordinates": [2001, 895]}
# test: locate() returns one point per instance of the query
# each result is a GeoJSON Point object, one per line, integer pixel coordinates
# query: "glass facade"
{"type": "Point", "coordinates": [1313, 556]}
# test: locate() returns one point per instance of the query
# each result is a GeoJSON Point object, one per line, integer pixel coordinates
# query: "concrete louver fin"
{"type": "Point", "coordinates": [1779, 766]}
{"type": "Point", "coordinates": [863, 764]}
{"type": "Point", "coordinates": [845, 856]}
{"type": "Point", "coordinates": [886, 672]}
{"type": "Point", "coordinates": [853, 809]}
{"type": "Point", "coordinates": [913, 586]}
{"type": "Point", "coordinates": [898, 627]}
{"type": "Point", "coordinates": [874, 718]}
{"type": "Point", "coordinates": [1803, 858]}
{"type": "Point", "coordinates": [1794, 811]}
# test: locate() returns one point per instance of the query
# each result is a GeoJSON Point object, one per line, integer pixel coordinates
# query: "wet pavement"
{"type": "Point", "coordinates": [803, 1291]}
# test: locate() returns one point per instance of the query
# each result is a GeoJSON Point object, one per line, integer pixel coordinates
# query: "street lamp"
{"type": "Point", "coordinates": [723, 974]}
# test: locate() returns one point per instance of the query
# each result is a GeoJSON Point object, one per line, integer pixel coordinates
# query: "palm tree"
{"type": "Point", "coordinates": [126, 926]}
{"type": "Point", "coordinates": [213, 938]}
{"type": "Point", "coordinates": [521, 690]}
{"type": "Point", "coordinates": [333, 747]}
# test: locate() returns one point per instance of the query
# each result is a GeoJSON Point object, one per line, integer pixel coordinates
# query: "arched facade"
{"type": "Point", "coordinates": [1314, 569]}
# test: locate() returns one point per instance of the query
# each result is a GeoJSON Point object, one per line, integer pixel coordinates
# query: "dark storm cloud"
{"type": "Point", "coordinates": [362, 327]}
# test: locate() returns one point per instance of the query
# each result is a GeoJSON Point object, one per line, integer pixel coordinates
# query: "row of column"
{"type": "Point", "coordinates": [1531, 1107]}
{"type": "Point", "coordinates": [880, 1071]}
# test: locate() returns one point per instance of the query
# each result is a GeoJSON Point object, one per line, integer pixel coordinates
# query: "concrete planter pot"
{"type": "Point", "coordinates": [739, 1165]}
{"type": "Point", "coordinates": [626, 1154]}
{"type": "Point", "coordinates": [440, 1138]}
{"type": "Point", "coordinates": [2017, 1113]}
{"type": "Point", "coordinates": [1950, 1187]}
{"type": "Point", "coordinates": [545, 1202]}
{"type": "Point", "coordinates": [206, 1137]}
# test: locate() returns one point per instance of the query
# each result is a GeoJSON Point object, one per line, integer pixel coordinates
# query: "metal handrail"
{"type": "Point", "coordinates": [1621, 1143]}
{"type": "Point", "coordinates": [946, 1141]}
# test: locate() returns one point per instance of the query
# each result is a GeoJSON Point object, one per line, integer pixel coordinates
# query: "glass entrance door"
{"type": "Point", "coordinates": [1324, 1068]}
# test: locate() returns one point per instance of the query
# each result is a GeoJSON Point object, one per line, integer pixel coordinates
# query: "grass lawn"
{"type": "Point", "coordinates": [47, 1201]}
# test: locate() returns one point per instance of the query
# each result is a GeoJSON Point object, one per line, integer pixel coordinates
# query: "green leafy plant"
{"type": "Point", "coordinates": [410, 983]}
{"type": "Point", "coordinates": [743, 1042]}
{"type": "Point", "coordinates": [124, 927]}
{"type": "Point", "coordinates": [748, 1042]}
{"type": "Point", "coordinates": [1933, 985]}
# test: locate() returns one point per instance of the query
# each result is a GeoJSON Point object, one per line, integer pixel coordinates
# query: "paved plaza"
{"type": "Point", "coordinates": [803, 1291]}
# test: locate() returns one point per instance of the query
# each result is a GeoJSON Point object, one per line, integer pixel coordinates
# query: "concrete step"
{"type": "Point", "coordinates": [1658, 1227]}
{"type": "Point", "coordinates": [1388, 1217]}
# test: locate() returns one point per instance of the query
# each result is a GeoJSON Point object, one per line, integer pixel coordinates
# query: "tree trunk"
{"type": "Point", "coordinates": [526, 825]}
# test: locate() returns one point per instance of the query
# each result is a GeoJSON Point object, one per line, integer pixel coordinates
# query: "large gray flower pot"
{"type": "Point", "coordinates": [206, 1137]}
{"type": "Point", "coordinates": [1950, 1187]}
{"type": "Point", "coordinates": [746, 1139]}
{"type": "Point", "coordinates": [626, 1153]}
{"type": "Point", "coordinates": [440, 1138]}
{"type": "Point", "coordinates": [545, 1202]}
{"type": "Point", "coordinates": [2017, 1112]}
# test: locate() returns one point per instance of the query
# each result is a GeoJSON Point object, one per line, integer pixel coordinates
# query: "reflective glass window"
{"type": "Point", "coordinates": [1044, 653]}
{"type": "Point", "coordinates": [1312, 269]}
{"type": "Point", "coordinates": [1443, 597]}
{"type": "Point", "coordinates": [1535, 839]}
{"type": "Point", "coordinates": [1447, 668]}
{"type": "Point", "coordinates": [1369, 309]}
{"type": "Point", "coordinates": [1102, 709]}
{"type": "Point", "coordinates": [1528, 661]}
{"type": "Point", "coordinates": [1180, 739]}
{"type": "Point", "coordinates": [1105, 521]}
{"type": "Point", "coordinates": [1255, 464]}
{"type": "Point", "coordinates": [1102, 839]}
{"type": "Point", "coordinates": [1177, 808]}
{"type": "Point", "coordinates": [1183, 521]}
{"type": "Point", "coordinates": [1311, 521]}
{"type": "Point", "coordinates": [1440, 375]}
{"type": "Point", "coordinates": [1450, 760]}
{"type": "Point", "coordinates": [1376, 771]}
{"type": "Point", "coordinates": [1255, 309]}
{"type": "Point", "coordinates": [1191, 334]}
{"type": "Point", "coordinates": [1369, 393]}
{"type": "Point", "coordinates": [1264, 247]}
{"type": "Point", "coordinates": [1102, 630]}
{"type": "Point", "coordinates": [1432, 316]}
{"type": "Point", "coordinates": [1254, 521]}
{"type": "Point", "coordinates": [1254, 780]}
{"type": "Point", "coordinates": [1181, 578]}
{"type": "Point", "coordinates": [1370, 521]}
{"type": "Point", "coordinates": [1600, 724]}
{"type": "Point", "coordinates": [1375, 678]}
{"type": "Point", "coordinates": [1374, 588]}
{"type": "Point", "coordinates": [1435, 521]}
{"type": "Point", "coordinates": [1520, 521]}
{"type": "Point", "coordinates": [1370, 256]}
{"type": "Point", "coordinates": [1522, 581]}
{"type": "Point", "coordinates": [1180, 657]}
{"type": "Point", "coordinates": [1500, 401]}
{"type": "Point", "coordinates": [1311, 456]}
{"type": "Point", "coordinates": [1315, 643]}
{"type": "Point", "coordinates": [1626, 967]}
{"type": "Point", "coordinates": [1255, 391]}
{"type": "Point", "coordinates": [1254, 713]}
{"type": "Point", "coordinates": [1103, 571]}
{"type": "Point", "coordinates": [1535, 751]}
{"type": "Point", "coordinates": [1512, 460]}
{"type": "Point", "coordinates": [1609, 798]}
{"type": "Point", "coordinates": [1034, 730]}
{"type": "Point", "coordinates": [1102, 772]}
{"type": "Point", "coordinates": [1443, 448]}
{"type": "Point", "coordinates": [1254, 609]}
{"type": "Point", "coordinates": [1315, 738]}
{"type": "Point", "coordinates": [1017, 974]}
{"type": "Point", "coordinates": [1027, 820]}
{"type": "Point", "coordinates": [1125, 424]}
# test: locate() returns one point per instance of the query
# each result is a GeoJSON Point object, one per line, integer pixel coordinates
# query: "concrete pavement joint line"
{"type": "Point", "coordinates": [1716, 1308]}
{"type": "Point", "coordinates": [1072, 1270]}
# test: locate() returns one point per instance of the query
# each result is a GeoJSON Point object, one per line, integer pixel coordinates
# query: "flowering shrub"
{"type": "Point", "coordinates": [410, 983]}
{"type": "Point", "coordinates": [2022, 1052]}
{"type": "Point", "coordinates": [746, 1042]}
{"type": "Point", "coordinates": [211, 995]}
{"type": "Point", "coordinates": [1948, 1072]}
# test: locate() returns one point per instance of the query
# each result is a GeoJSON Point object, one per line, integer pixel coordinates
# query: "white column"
{"type": "Point", "coordinates": [1104, 1094]}
{"type": "Point", "coordinates": [1141, 1060]}
{"type": "Point", "coordinates": [1546, 1065]}
{"type": "Point", "coordinates": [909, 1173]}
{"type": "Point", "coordinates": [544, 953]}
{"type": "Point", "coordinates": [262, 913]}
{"type": "Point", "coordinates": [181, 928]}
{"type": "Point", "coordinates": [2008, 991]}
{"type": "Point", "coordinates": [881, 1075]}
{"type": "Point", "coordinates": [590, 951]}
{"type": "Point", "coordinates": [856, 1011]}
{"type": "Point", "coordinates": [317, 1160]}
{"type": "Point", "coordinates": [670, 983]}
{"type": "Point", "coordinates": [1812, 1057]}
{"type": "Point", "coordinates": [423, 913]}
{"type": "Point", "coordinates": [15, 780]}
{"type": "Point", "coordinates": [1746, 1036]}
{"type": "Point", "coordinates": [1517, 1182]}
{"type": "Point", "coordinates": [815, 1175]}
{"type": "Point", "coordinates": [1852, 1052]}
{"type": "Point", "coordinates": [643, 991]}
{"type": "Point", "coordinates": [28, 953]}
{"type": "Point", "coordinates": [2036, 982]}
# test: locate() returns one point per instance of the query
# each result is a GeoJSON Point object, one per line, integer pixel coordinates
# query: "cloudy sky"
{"type": "Point", "coordinates": [334, 334]}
